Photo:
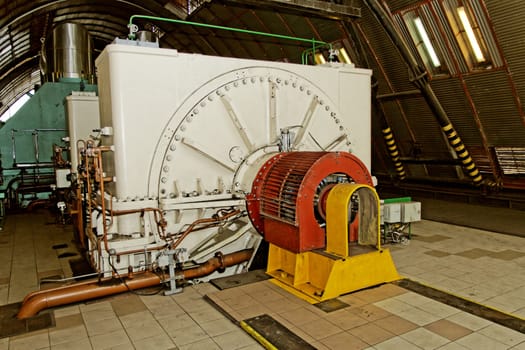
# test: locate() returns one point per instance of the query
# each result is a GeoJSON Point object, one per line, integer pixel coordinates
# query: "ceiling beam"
{"type": "Point", "coordinates": [315, 8]}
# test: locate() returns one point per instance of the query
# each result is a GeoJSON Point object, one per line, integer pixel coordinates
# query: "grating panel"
{"type": "Point", "coordinates": [511, 159]}
{"type": "Point", "coordinates": [480, 159]}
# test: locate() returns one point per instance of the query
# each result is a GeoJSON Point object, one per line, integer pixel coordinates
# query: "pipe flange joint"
{"type": "Point", "coordinates": [220, 257]}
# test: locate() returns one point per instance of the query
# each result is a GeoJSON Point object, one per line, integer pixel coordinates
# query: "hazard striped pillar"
{"type": "Point", "coordinates": [463, 154]}
{"type": "Point", "coordinates": [394, 152]}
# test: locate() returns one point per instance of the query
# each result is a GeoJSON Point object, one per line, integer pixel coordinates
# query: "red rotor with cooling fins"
{"type": "Point", "coordinates": [283, 199]}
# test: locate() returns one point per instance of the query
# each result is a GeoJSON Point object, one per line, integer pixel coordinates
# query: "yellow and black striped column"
{"type": "Point", "coordinates": [462, 153]}
{"type": "Point", "coordinates": [394, 152]}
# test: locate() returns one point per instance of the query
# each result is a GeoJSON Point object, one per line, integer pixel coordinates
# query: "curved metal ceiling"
{"type": "Point", "coordinates": [24, 23]}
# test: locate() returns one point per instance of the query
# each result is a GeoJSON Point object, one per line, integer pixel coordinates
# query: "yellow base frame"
{"type": "Point", "coordinates": [316, 276]}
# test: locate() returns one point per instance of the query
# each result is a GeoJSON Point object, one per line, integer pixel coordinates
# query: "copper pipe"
{"type": "Point", "coordinates": [76, 293]}
{"type": "Point", "coordinates": [99, 174]}
{"type": "Point", "coordinates": [203, 221]}
{"type": "Point", "coordinates": [218, 262]}
{"type": "Point", "coordinates": [135, 251]}
{"type": "Point", "coordinates": [38, 292]}
{"type": "Point", "coordinates": [89, 231]}
{"type": "Point", "coordinates": [134, 211]}
{"type": "Point", "coordinates": [161, 223]}
{"type": "Point", "coordinates": [104, 148]}
{"type": "Point", "coordinates": [37, 301]}
{"type": "Point", "coordinates": [78, 213]}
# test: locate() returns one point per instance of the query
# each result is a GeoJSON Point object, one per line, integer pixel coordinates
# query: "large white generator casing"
{"type": "Point", "coordinates": [218, 111]}
{"type": "Point", "coordinates": [189, 133]}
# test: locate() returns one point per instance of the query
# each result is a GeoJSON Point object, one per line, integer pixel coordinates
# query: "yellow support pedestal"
{"type": "Point", "coordinates": [322, 275]}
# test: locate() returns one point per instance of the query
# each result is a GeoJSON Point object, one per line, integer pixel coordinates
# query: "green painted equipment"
{"type": "Point", "coordinates": [27, 139]}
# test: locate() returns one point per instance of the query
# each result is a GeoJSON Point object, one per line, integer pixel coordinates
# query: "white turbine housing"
{"type": "Point", "coordinates": [189, 133]}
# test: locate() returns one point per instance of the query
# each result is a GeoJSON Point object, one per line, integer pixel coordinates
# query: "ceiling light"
{"type": "Point", "coordinates": [343, 56]}
{"type": "Point", "coordinates": [470, 34]}
{"type": "Point", "coordinates": [426, 41]}
{"type": "Point", "coordinates": [319, 58]}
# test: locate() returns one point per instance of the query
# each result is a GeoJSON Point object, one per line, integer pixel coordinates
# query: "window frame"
{"type": "Point", "coordinates": [449, 38]}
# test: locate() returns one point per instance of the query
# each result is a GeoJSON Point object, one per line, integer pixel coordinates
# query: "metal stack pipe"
{"type": "Point", "coordinates": [68, 54]}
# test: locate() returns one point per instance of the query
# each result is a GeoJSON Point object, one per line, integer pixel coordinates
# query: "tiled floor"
{"type": "Point", "coordinates": [485, 267]}
{"type": "Point", "coordinates": [482, 266]}
{"type": "Point", "coordinates": [128, 321]}
{"type": "Point", "coordinates": [387, 317]}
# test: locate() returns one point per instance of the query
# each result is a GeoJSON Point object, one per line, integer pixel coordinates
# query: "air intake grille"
{"type": "Point", "coordinates": [283, 184]}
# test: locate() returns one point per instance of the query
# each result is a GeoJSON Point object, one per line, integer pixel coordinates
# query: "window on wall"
{"type": "Point", "coordinates": [16, 106]}
{"type": "Point", "coordinates": [425, 46]}
{"type": "Point", "coordinates": [424, 39]}
{"type": "Point", "coordinates": [458, 36]}
{"type": "Point", "coordinates": [467, 34]}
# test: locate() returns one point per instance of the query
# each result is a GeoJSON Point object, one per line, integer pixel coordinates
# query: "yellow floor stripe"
{"type": "Point", "coordinates": [262, 340]}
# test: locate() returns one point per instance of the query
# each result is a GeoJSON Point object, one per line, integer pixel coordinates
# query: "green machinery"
{"type": "Point", "coordinates": [27, 143]}
{"type": "Point", "coordinates": [30, 140]}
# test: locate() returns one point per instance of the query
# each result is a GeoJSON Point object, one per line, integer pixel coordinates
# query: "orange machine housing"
{"type": "Point", "coordinates": [286, 204]}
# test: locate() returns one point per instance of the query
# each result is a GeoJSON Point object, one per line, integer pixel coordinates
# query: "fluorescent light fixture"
{"type": "Point", "coordinates": [470, 34]}
{"type": "Point", "coordinates": [426, 41]}
{"type": "Point", "coordinates": [344, 55]}
{"type": "Point", "coordinates": [319, 58]}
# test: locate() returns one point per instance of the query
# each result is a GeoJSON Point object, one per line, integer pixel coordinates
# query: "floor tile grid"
{"type": "Point", "coordinates": [487, 265]}
{"type": "Point", "coordinates": [427, 323]}
{"type": "Point", "coordinates": [97, 326]}
{"type": "Point", "coordinates": [31, 254]}
{"type": "Point", "coordinates": [104, 324]}
{"type": "Point", "coordinates": [434, 325]}
{"type": "Point", "coordinates": [484, 279]}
